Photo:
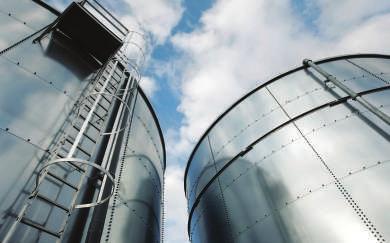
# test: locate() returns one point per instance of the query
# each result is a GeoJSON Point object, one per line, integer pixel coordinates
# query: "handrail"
{"type": "Point", "coordinates": [381, 115]}
{"type": "Point", "coordinates": [103, 13]}
{"type": "Point", "coordinates": [101, 6]}
{"type": "Point", "coordinates": [105, 17]}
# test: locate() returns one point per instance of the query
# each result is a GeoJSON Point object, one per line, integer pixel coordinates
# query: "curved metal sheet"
{"type": "Point", "coordinates": [330, 59]}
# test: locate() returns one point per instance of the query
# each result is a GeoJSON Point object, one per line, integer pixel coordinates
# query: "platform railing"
{"type": "Point", "coordinates": [106, 18]}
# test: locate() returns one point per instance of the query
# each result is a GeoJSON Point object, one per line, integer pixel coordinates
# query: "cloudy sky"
{"type": "Point", "coordinates": [212, 52]}
{"type": "Point", "coordinates": [204, 54]}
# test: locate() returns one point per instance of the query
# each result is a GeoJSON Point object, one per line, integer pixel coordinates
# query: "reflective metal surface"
{"type": "Point", "coordinates": [297, 160]}
{"type": "Point", "coordinates": [21, 18]}
{"type": "Point", "coordinates": [48, 110]}
{"type": "Point", "coordinates": [134, 211]}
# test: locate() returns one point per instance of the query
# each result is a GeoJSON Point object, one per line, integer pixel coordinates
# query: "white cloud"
{"type": "Point", "coordinates": [176, 211]}
{"type": "Point", "coordinates": [240, 44]}
{"type": "Point", "coordinates": [149, 22]}
{"type": "Point", "coordinates": [148, 85]}
{"type": "Point", "coordinates": [369, 36]}
{"type": "Point", "coordinates": [336, 16]}
{"type": "Point", "coordinates": [155, 17]}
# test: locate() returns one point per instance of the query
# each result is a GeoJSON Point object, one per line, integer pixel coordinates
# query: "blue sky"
{"type": "Point", "coordinates": [206, 54]}
{"type": "Point", "coordinates": [219, 50]}
{"type": "Point", "coordinates": [166, 100]}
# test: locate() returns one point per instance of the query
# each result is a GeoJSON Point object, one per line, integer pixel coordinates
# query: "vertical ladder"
{"type": "Point", "coordinates": [68, 147]}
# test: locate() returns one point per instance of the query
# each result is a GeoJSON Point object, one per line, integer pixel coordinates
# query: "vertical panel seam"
{"type": "Point", "coordinates": [222, 195]}
{"type": "Point", "coordinates": [367, 71]}
{"type": "Point", "coordinates": [356, 208]}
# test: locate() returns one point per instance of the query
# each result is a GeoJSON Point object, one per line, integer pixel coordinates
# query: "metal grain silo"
{"type": "Point", "coordinates": [303, 157]}
{"type": "Point", "coordinates": [82, 155]}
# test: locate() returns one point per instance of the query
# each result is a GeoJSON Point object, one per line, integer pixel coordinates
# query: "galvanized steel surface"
{"type": "Point", "coordinates": [297, 160]}
{"type": "Point", "coordinates": [41, 85]}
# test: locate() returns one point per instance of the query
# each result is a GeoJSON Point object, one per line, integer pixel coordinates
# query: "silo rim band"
{"type": "Point", "coordinates": [252, 144]}
{"type": "Point", "coordinates": [275, 79]}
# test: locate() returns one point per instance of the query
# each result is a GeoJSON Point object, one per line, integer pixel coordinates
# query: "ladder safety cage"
{"type": "Point", "coordinates": [69, 162]}
{"type": "Point", "coordinates": [134, 50]}
{"type": "Point", "coordinates": [56, 187]}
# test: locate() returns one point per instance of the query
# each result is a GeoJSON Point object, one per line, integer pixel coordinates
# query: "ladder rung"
{"type": "Point", "coordinates": [71, 163]}
{"type": "Point", "coordinates": [50, 179]}
{"type": "Point", "coordinates": [109, 83]}
{"type": "Point", "coordinates": [86, 105]}
{"type": "Point", "coordinates": [79, 147]}
{"type": "Point", "coordinates": [94, 99]}
{"type": "Point", "coordinates": [62, 166]}
{"type": "Point", "coordinates": [100, 119]}
{"type": "Point", "coordinates": [76, 128]}
{"type": "Point", "coordinates": [104, 97]}
{"type": "Point", "coordinates": [90, 123]}
{"type": "Point", "coordinates": [87, 136]}
{"type": "Point", "coordinates": [48, 200]}
{"type": "Point", "coordinates": [96, 90]}
{"type": "Point", "coordinates": [111, 90]}
{"type": "Point", "coordinates": [111, 86]}
{"type": "Point", "coordinates": [89, 108]}
{"type": "Point", "coordinates": [76, 166]}
{"type": "Point", "coordinates": [84, 134]}
{"type": "Point", "coordinates": [59, 178]}
{"type": "Point", "coordinates": [39, 227]}
{"type": "Point", "coordinates": [117, 82]}
{"type": "Point", "coordinates": [118, 71]}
